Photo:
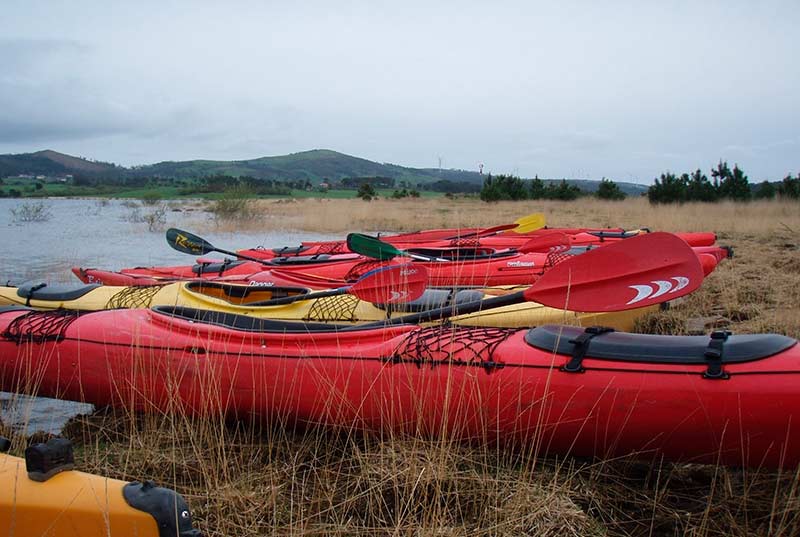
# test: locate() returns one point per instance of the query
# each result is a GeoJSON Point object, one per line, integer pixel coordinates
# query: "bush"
{"type": "Point", "coordinates": [31, 212]}
{"type": "Point", "coordinates": [151, 197]}
{"type": "Point", "coordinates": [503, 187]}
{"type": "Point", "coordinates": [764, 191]}
{"type": "Point", "coordinates": [564, 191]}
{"type": "Point", "coordinates": [366, 192]}
{"type": "Point", "coordinates": [669, 188]}
{"type": "Point", "coordinates": [789, 188]}
{"type": "Point", "coordinates": [234, 204]}
{"type": "Point", "coordinates": [157, 218]}
{"type": "Point", "coordinates": [609, 190]}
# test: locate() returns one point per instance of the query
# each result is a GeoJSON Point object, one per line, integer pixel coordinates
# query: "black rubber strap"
{"type": "Point", "coordinates": [713, 355]}
{"type": "Point", "coordinates": [32, 290]}
{"type": "Point", "coordinates": [581, 347]}
{"type": "Point", "coordinates": [225, 263]}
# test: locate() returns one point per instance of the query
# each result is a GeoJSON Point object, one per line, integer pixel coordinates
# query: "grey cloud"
{"type": "Point", "coordinates": [598, 89]}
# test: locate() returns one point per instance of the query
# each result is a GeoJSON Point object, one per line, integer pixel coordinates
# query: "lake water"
{"type": "Point", "coordinates": [101, 234]}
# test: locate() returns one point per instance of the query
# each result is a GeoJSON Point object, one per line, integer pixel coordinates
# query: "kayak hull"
{"type": "Point", "coordinates": [471, 384]}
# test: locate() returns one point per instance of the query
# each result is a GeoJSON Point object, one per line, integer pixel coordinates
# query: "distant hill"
{"type": "Point", "coordinates": [316, 166]}
{"type": "Point", "coordinates": [49, 162]}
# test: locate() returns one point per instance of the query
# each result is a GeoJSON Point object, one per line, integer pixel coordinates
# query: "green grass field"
{"type": "Point", "coordinates": [164, 192]}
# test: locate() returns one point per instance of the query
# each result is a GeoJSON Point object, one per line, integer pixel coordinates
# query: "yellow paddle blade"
{"type": "Point", "coordinates": [529, 223]}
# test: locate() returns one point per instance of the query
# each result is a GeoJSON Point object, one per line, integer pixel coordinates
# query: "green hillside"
{"type": "Point", "coordinates": [315, 166]}
{"type": "Point", "coordinates": [52, 163]}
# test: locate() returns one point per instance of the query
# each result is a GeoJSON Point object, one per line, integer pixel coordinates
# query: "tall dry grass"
{"type": "Point", "coordinates": [255, 479]}
{"type": "Point", "coordinates": [330, 215]}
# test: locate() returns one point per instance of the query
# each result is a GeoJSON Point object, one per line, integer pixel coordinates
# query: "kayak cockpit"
{"type": "Point", "coordinates": [311, 259]}
{"type": "Point", "coordinates": [246, 323]}
{"type": "Point", "coordinates": [244, 295]}
{"type": "Point", "coordinates": [206, 266]}
{"type": "Point", "coordinates": [462, 254]}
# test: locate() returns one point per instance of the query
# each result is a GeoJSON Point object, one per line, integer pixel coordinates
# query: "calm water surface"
{"type": "Point", "coordinates": [101, 234]}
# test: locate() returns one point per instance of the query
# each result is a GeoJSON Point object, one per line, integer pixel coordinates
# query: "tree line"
{"type": "Point", "coordinates": [511, 187]}
{"type": "Point", "coordinates": [725, 184]}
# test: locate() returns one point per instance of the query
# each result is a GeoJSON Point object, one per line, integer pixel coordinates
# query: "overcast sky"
{"type": "Point", "coordinates": [624, 90]}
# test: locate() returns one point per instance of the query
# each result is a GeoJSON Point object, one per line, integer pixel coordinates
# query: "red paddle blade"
{"type": "Point", "coordinates": [637, 272]}
{"type": "Point", "coordinates": [391, 285]}
{"type": "Point", "coordinates": [546, 242]}
{"type": "Point", "coordinates": [495, 230]}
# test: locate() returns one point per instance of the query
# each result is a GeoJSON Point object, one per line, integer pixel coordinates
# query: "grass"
{"type": "Point", "coordinates": [274, 479]}
{"type": "Point", "coordinates": [168, 192]}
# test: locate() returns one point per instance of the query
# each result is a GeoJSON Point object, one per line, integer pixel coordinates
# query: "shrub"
{"type": "Point", "coordinates": [151, 197]}
{"type": "Point", "coordinates": [31, 212]}
{"type": "Point", "coordinates": [366, 192]}
{"type": "Point", "coordinates": [609, 190]}
{"type": "Point", "coordinates": [234, 204]}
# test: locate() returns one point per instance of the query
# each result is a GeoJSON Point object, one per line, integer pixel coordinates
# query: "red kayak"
{"type": "Point", "coordinates": [576, 237]}
{"type": "Point", "coordinates": [327, 271]}
{"type": "Point", "coordinates": [724, 399]}
{"type": "Point", "coordinates": [507, 268]}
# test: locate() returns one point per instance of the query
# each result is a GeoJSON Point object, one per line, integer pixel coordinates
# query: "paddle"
{"type": "Point", "coordinates": [386, 285]}
{"type": "Point", "coordinates": [524, 224]}
{"type": "Point", "coordinates": [545, 242]}
{"type": "Point", "coordinates": [634, 273]}
{"type": "Point", "coordinates": [529, 223]}
{"type": "Point", "coordinates": [189, 243]}
{"type": "Point", "coordinates": [377, 249]}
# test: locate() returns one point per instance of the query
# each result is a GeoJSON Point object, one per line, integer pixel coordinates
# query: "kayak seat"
{"type": "Point", "coordinates": [207, 268]}
{"type": "Point", "coordinates": [290, 250]}
{"type": "Point", "coordinates": [647, 348]}
{"type": "Point", "coordinates": [244, 322]}
{"type": "Point", "coordinates": [37, 290]}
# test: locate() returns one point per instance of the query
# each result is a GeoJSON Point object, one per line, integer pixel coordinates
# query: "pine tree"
{"type": "Point", "coordinates": [668, 189]}
{"type": "Point", "coordinates": [609, 190]}
{"type": "Point", "coordinates": [699, 188]}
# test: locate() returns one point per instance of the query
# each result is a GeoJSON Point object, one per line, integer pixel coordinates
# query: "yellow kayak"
{"type": "Point", "coordinates": [42, 495]}
{"type": "Point", "coordinates": [269, 302]}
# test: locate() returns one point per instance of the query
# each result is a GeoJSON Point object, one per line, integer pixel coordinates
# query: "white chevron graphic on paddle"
{"type": "Point", "coordinates": [398, 295]}
{"type": "Point", "coordinates": [657, 288]}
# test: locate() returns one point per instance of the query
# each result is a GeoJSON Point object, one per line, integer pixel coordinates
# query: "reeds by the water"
{"type": "Point", "coordinates": [252, 478]}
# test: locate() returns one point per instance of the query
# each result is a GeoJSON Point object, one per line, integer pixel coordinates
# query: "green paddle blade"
{"type": "Point", "coordinates": [371, 247]}
{"type": "Point", "coordinates": [188, 243]}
